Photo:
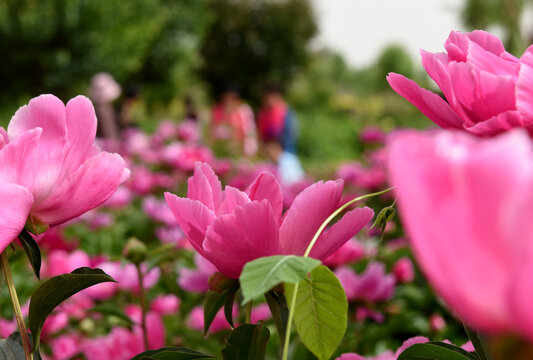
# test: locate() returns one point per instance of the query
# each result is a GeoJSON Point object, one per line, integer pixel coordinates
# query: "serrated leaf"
{"type": "Point", "coordinates": [247, 342]}
{"type": "Point", "coordinates": [321, 311]}
{"type": "Point", "coordinates": [12, 349]}
{"type": "Point", "coordinates": [279, 310]}
{"type": "Point", "coordinates": [171, 353]}
{"type": "Point", "coordinates": [435, 351]}
{"type": "Point", "coordinates": [212, 304]}
{"type": "Point", "coordinates": [32, 251]}
{"type": "Point", "coordinates": [54, 291]}
{"type": "Point", "coordinates": [260, 275]}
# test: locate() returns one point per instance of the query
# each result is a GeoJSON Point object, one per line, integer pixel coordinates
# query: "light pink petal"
{"type": "Point", "coordinates": [4, 139]}
{"type": "Point", "coordinates": [456, 46]}
{"type": "Point", "coordinates": [205, 187]}
{"type": "Point", "coordinates": [487, 41]}
{"type": "Point", "coordinates": [250, 232]}
{"type": "Point", "coordinates": [486, 61]}
{"type": "Point", "coordinates": [266, 186]}
{"type": "Point", "coordinates": [524, 85]}
{"type": "Point", "coordinates": [342, 231]}
{"type": "Point", "coordinates": [84, 189]}
{"type": "Point", "coordinates": [462, 211]}
{"type": "Point", "coordinates": [232, 198]}
{"type": "Point", "coordinates": [499, 124]}
{"type": "Point", "coordinates": [81, 131]}
{"type": "Point", "coordinates": [13, 169]}
{"type": "Point", "coordinates": [193, 218]}
{"type": "Point", "coordinates": [308, 211]}
{"type": "Point", "coordinates": [46, 112]}
{"type": "Point", "coordinates": [15, 205]}
{"type": "Point", "coordinates": [429, 103]}
{"type": "Point", "coordinates": [483, 95]}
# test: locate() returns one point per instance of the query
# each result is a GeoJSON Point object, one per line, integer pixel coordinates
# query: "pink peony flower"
{"type": "Point", "coordinates": [466, 205]}
{"type": "Point", "coordinates": [51, 171]}
{"type": "Point", "coordinates": [196, 280]}
{"type": "Point", "coordinates": [65, 346]}
{"type": "Point", "coordinates": [348, 253]}
{"type": "Point", "coordinates": [232, 227]}
{"type": "Point", "coordinates": [403, 270]}
{"type": "Point", "coordinates": [487, 90]}
{"type": "Point", "coordinates": [372, 285]}
{"type": "Point", "coordinates": [165, 304]}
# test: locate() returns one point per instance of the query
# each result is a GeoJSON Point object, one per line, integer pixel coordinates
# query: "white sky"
{"type": "Point", "coordinates": [359, 29]}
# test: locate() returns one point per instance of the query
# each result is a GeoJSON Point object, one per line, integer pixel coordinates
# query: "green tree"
{"type": "Point", "coordinates": [251, 43]}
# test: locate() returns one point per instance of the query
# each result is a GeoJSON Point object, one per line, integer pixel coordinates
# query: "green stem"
{"type": "Point", "coordinates": [16, 305]}
{"type": "Point", "coordinates": [248, 314]}
{"type": "Point", "coordinates": [306, 254]}
{"type": "Point", "coordinates": [143, 305]}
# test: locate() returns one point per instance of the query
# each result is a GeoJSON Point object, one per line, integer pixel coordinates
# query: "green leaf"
{"type": "Point", "coordinates": [435, 351]}
{"type": "Point", "coordinates": [280, 311]}
{"type": "Point", "coordinates": [261, 275]}
{"type": "Point", "coordinates": [53, 292]}
{"type": "Point", "coordinates": [32, 251]}
{"type": "Point", "coordinates": [12, 349]}
{"type": "Point", "coordinates": [171, 353]}
{"type": "Point", "coordinates": [478, 343]}
{"type": "Point", "coordinates": [247, 342]}
{"type": "Point", "coordinates": [114, 311]}
{"type": "Point", "coordinates": [385, 215]}
{"type": "Point", "coordinates": [212, 304]}
{"type": "Point", "coordinates": [228, 305]}
{"type": "Point", "coordinates": [321, 311]}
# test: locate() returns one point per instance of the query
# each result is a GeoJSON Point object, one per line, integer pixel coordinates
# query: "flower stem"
{"type": "Point", "coordinates": [306, 254]}
{"type": "Point", "coordinates": [143, 305]}
{"type": "Point", "coordinates": [248, 314]}
{"type": "Point", "coordinates": [16, 305]}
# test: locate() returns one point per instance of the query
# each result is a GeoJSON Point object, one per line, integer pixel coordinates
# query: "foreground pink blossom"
{"type": "Point", "coordinates": [466, 205]}
{"type": "Point", "coordinates": [232, 227]}
{"type": "Point", "coordinates": [488, 90]}
{"type": "Point", "coordinates": [51, 171]}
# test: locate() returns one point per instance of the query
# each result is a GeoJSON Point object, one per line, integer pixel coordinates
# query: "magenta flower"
{"type": "Point", "coordinates": [51, 171]}
{"type": "Point", "coordinates": [466, 205]}
{"type": "Point", "coordinates": [231, 227]}
{"type": "Point", "coordinates": [488, 90]}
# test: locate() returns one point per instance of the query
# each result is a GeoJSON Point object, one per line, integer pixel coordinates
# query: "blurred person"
{"type": "Point", "coordinates": [103, 91]}
{"type": "Point", "coordinates": [290, 170]}
{"type": "Point", "coordinates": [190, 111]}
{"type": "Point", "coordinates": [277, 121]}
{"type": "Point", "coordinates": [129, 112]}
{"type": "Point", "coordinates": [232, 120]}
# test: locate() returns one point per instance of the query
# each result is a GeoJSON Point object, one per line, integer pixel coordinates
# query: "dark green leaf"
{"type": "Point", "coordinates": [321, 311]}
{"type": "Point", "coordinates": [171, 353]}
{"type": "Point", "coordinates": [280, 311]}
{"type": "Point", "coordinates": [247, 342]}
{"type": "Point", "coordinates": [32, 251]}
{"type": "Point", "coordinates": [435, 351]}
{"type": "Point", "coordinates": [478, 343]}
{"type": "Point", "coordinates": [212, 304]}
{"type": "Point", "coordinates": [53, 292]}
{"type": "Point", "coordinates": [261, 275]}
{"type": "Point", "coordinates": [12, 349]}
{"type": "Point", "coordinates": [228, 305]}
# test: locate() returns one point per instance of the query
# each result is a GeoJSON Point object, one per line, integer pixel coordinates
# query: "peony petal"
{"type": "Point", "coordinates": [250, 232]}
{"type": "Point", "coordinates": [342, 231]}
{"type": "Point", "coordinates": [15, 204]}
{"type": "Point", "coordinates": [84, 189]}
{"type": "Point", "coordinates": [429, 103]}
{"type": "Point", "coordinates": [308, 211]}
{"type": "Point", "coordinates": [483, 60]}
{"type": "Point", "coordinates": [205, 187]}
{"type": "Point", "coordinates": [81, 131]}
{"type": "Point", "coordinates": [20, 160]}
{"type": "Point", "coordinates": [4, 139]}
{"type": "Point", "coordinates": [46, 112]}
{"type": "Point", "coordinates": [524, 85]}
{"type": "Point", "coordinates": [456, 46]}
{"type": "Point", "coordinates": [266, 186]}
{"type": "Point", "coordinates": [193, 218]}
{"type": "Point", "coordinates": [232, 198]}
{"type": "Point", "coordinates": [466, 217]}
{"type": "Point", "coordinates": [487, 41]}
{"type": "Point", "coordinates": [499, 124]}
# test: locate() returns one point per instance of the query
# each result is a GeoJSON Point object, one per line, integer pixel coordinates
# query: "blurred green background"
{"type": "Point", "coordinates": [173, 48]}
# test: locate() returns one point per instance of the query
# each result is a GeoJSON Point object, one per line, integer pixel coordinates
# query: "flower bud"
{"type": "Point", "coordinates": [135, 251]}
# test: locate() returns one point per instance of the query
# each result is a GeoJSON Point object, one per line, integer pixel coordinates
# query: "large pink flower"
{"type": "Point", "coordinates": [232, 227]}
{"type": "Point", "coordinates": [488, 90]}
{"type": "Point", "coordinates": [467, 204]}
{"type": "Point", "coordinates": [50, 169]}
